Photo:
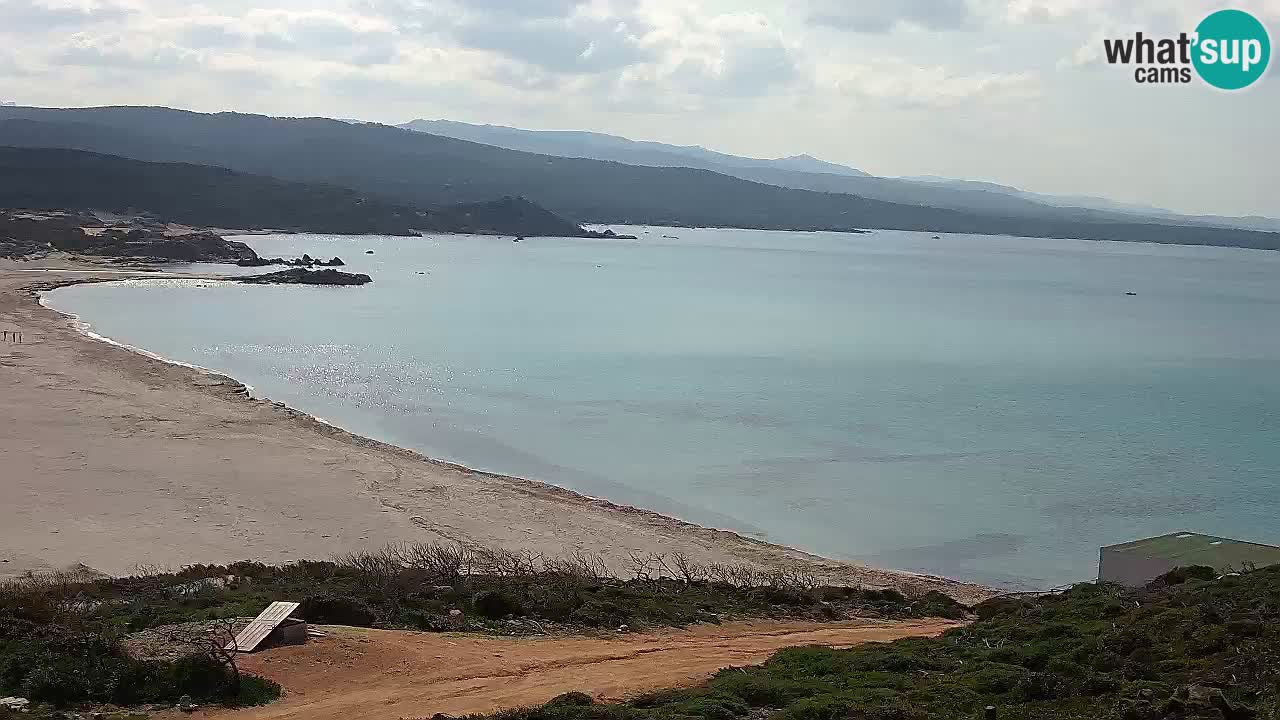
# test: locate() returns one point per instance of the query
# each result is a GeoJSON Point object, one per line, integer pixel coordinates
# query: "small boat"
{"type": "Point", "coordinates": [1131, 293]}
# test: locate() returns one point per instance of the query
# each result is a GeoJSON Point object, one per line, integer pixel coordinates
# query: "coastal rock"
{"type": "Point", "coordinates": [607, 235]}
{"type": "Point", "coordinates": [304, 261]}
{"type": "Point", "coordinates": [302, 276]}
{"type": "Point", "coordinates": [26, 233]}
{"type": "Point", "coordinates": [259, 262]}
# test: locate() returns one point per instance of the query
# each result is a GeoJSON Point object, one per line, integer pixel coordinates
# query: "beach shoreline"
{"type": "Point", "coordinates": [122, 457]}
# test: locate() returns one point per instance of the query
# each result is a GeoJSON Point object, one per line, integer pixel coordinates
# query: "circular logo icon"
{"type": "Point", "coordinates": [1232, 49]}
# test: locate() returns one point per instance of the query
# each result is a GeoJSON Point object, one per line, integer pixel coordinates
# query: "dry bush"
{"type": "Point", "coordinates": [444, 563]}
{"type": "Point", "coordinates": [377, 570]}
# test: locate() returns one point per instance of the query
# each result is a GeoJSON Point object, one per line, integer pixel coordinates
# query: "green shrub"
{"type": "Point", "coordinates": [337, 610]}
{"type": "Point", "coordinates": [1180, 575]}
{"type": "Point", "coordinates": [496, 605]}
{"type": "Point", "coordinates": [571, 699]}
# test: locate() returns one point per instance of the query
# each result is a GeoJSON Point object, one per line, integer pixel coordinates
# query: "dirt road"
{"type": "Point", "coordinates": [378, 674]}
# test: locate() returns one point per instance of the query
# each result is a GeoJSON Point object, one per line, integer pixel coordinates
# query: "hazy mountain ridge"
{"type": "Point", "coordinates": [208, 196]}
{"type": "Point", "coordinates": [424, 170]}
{"type": "Point", "coordinates": [805, 172]}
{"type": "Point", "coordinates": [601, 146]}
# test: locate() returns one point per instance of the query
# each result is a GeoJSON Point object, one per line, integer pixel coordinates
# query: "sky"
{"type": "Point", "coordinates": [1009, 91]}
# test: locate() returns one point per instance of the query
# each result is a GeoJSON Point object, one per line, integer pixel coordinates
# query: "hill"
{"type": "Point", "coordinates": [203, 195]}
{"type": "Point", "coordinates": [805, 172]}
{"type": "Point", "coordinates": [427, 170]}
{"type": "Point", "coordinates": [191, 194]}
{"type": "Point", "coordinates": [600, 146]}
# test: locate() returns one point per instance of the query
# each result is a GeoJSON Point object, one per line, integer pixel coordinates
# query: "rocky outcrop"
{"type": "Point", "coordinates": [304, 261]}
{"type": "Point", "coordinates": [26, 233]}
{"type": "Point", "coordinates": [607, 234]}
{"type": "Point", "coordinates": [302, 276]}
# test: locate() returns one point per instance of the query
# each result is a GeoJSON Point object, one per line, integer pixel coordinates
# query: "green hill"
{"type": "Point", "coordinates": [202, 195]}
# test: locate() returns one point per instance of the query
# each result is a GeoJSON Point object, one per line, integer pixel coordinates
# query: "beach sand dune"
{"type": "Point", "coordinates": [113, 459]}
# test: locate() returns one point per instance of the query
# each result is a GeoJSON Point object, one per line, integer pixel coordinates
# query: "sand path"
{"type": "Point", "coordinates": [373, 674]}
{"type": "Point", "coordinates": [113, 459]}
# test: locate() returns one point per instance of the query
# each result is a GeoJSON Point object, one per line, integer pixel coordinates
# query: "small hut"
{"type": "Point", "coordinates": [273, 626]}
{"type": "Point", "coordinates": [1139, 562]}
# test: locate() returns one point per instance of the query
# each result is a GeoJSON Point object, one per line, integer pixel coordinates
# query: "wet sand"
{"type": "Point", "coordinates": [114, 459]}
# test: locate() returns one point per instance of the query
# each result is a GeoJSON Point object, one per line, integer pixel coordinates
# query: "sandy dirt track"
{"type": "Point", "coordinates": [113, 459]}
{"type": "Point", "coordinates": [381, 674]}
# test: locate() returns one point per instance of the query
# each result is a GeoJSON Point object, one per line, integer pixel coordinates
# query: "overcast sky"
{"type": "Point", "coordinates": [1007, 91]}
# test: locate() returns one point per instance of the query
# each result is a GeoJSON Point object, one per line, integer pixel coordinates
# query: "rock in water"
{"type": "Point", "coordinates": [302, 276]}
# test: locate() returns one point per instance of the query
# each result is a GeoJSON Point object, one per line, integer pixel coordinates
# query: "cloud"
{"type": "Point", "coordinates": [897, 84]}
{"type": "Point", "coordinates": [351, 39]}
{"type": "Point", "coordinates": [882, 16]}
{"type": "Point", "coordinates": [567, 45]}
{"type": "Point", "coordinates": [117, 52]}
{"type": "Point", "coordinates": [30, 15]}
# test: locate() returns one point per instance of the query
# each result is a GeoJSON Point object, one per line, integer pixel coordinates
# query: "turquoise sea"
{"type": "Point", "coordinates": [989, 408]}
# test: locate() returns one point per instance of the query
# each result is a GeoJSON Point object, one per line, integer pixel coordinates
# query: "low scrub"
{"type": "Point", "coordinates": [1190, 646]}
{"type": "Point", "coordinates": [54, 650]}
{"type": "Point", "coordinates": [60, 636]}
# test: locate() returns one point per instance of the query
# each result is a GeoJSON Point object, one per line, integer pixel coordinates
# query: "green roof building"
{"type": "Point", "coordinates": [1139, 562]}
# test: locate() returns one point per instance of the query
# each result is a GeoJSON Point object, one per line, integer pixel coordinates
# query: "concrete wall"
{"type": "Point", "coordinates": [1126, 568]}
{"type": "Point", "coordinates": [288, 634]}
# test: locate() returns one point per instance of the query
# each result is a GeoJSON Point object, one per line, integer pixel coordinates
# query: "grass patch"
{"type": "Point", "coordinates": [1190, 646]}
{"type": "Point", "coordinates": [60, 637]}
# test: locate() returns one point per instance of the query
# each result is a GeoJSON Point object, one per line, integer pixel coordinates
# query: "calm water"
{"type": "Point", "coordinates": [989, 408]}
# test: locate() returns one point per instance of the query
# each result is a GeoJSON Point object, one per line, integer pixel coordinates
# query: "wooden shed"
{"type": "Point", "coordinates": [273, 626]}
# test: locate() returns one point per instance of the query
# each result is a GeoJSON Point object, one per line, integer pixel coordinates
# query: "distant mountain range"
{"type": "Point", "coordinates": [809, 173]}
{"type": "Point", "coordinates": [599, 146]}
{"type": "Point", "coordinates": [205, 196]}
{"type": "Point", "coordinates": [424, 171]}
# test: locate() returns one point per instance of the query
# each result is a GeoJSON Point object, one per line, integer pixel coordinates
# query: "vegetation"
{"type": "Point", "coordinates": [61, 637]}
{"type": "Point", "coordinates": [58, 649]}
{"type": "Point", "coordinates": [416, 586]}
{"type": "Point", "coordinates": [1190, 646]}
{"type": "Point", "coordinates": [421, 170]}
{"type": "Point", "coordinates": [45, 178]}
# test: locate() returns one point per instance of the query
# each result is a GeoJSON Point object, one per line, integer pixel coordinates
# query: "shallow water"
{"type": "Point", "coordinates": [990, 408]}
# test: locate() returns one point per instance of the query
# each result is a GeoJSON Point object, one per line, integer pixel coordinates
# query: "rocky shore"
{"type": "Point", "coordinates": [30, 233]}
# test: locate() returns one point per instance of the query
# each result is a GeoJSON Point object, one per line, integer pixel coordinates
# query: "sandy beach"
{"type": "Point", "coordinates": [114, 459]}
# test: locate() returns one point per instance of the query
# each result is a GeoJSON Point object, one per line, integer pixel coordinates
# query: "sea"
{"type": "Point", "coordinates": [987, 408]}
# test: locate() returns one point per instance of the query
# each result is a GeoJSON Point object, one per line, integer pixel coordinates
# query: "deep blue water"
{"type": "Point", "coordinates": [990, 408]}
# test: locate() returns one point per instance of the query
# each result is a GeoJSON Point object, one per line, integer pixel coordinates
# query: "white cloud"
{"type": "Point", "coordinates": [877, 83]}
{"type": "Point", "coordinates": [903, 85]}
{"type": "Point", "coordinates": [880, 16]}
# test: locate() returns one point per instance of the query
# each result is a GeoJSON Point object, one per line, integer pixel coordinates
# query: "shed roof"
{"type": "Point", "coordinates": [1188, 548]}
{"type": "Point", "coordinates": [258, 630]}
